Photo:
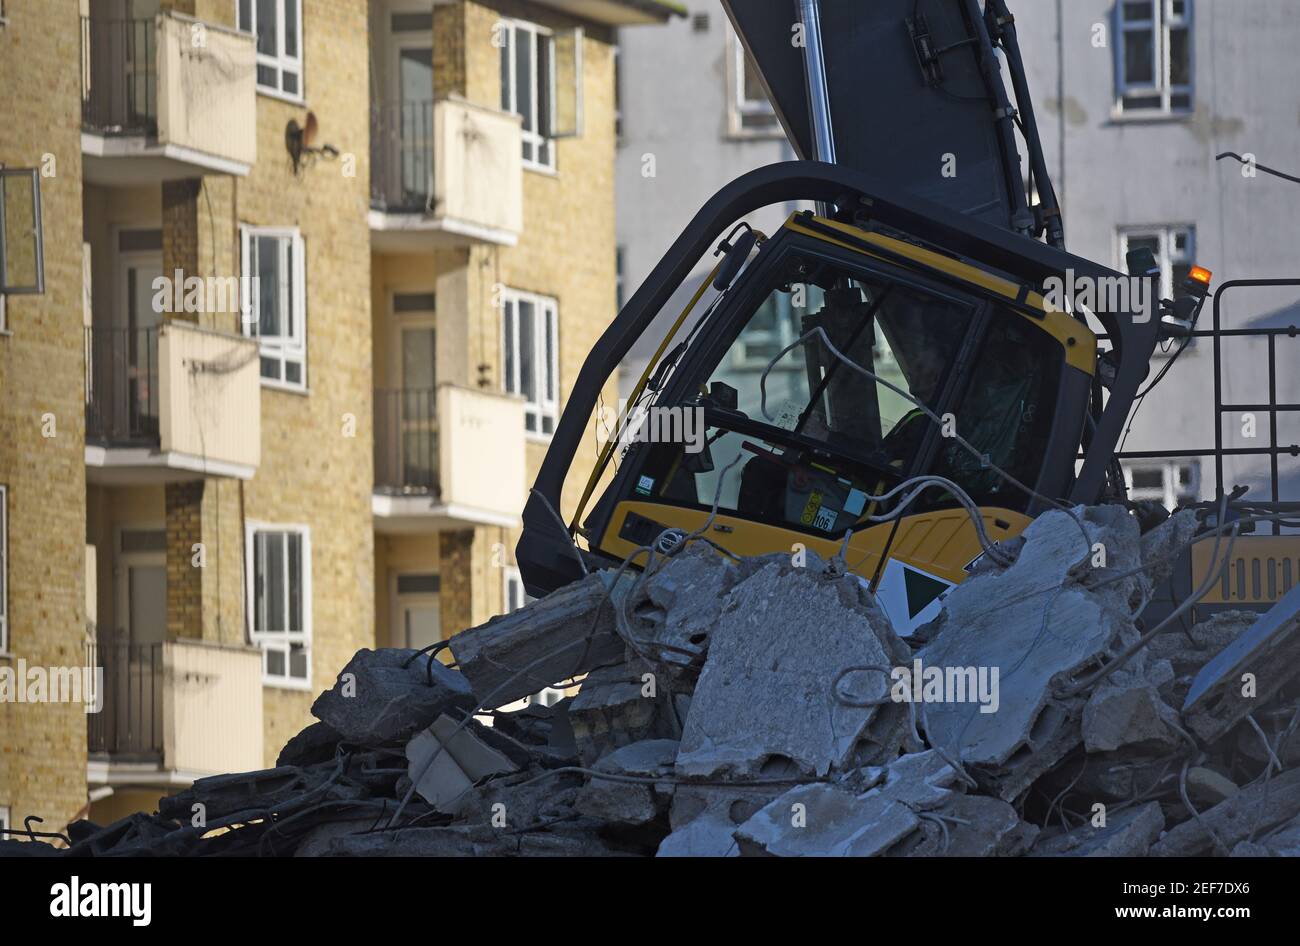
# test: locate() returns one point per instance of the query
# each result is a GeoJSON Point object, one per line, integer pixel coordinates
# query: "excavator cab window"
{"type": "Point", "coordinates": [806, 436]}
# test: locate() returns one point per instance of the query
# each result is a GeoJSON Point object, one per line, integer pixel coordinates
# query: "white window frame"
{"type": "Point", "coordinates": [1170, 492]}
{"type": "Point", "coordinates": [738, 106]}
{"type": "Point", "coordinates": [279, 641]}
{"type": "Point", "coordinates": [534, 137]}
{"type": "Point", "coordinates": [281, 60]}
{"type": "Point", "coordinates": [1167, 254]}
{"type": "Point", "coordinates": [284, 349]}
{"type": "Point", "coordinates": [1161, 23]}
{"type": "Point", "coordinates": [546, 368]}
{"type": "Point", "coordinates": [4, 569]}
{"type": "Point", "coordinates": [4, 823]}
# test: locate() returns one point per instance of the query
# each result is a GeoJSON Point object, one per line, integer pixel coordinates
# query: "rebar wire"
{"type": "Point", "coordinates": [31, 834]}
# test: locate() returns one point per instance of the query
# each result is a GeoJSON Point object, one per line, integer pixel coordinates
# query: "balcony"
{"type": "Point", "coordinates": [173, 711]}
{"type": "Point", "coordinates": [447, 458]}
{"type": "Point", "coordinates": [444, 173]}
{"type": "Point", "coordinates": [165, 97]}
{"type": "Point", "coordinates": [170, 403]}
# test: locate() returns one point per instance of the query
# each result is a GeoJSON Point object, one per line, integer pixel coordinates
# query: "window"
{"type": "Point", "coordinates": [4, 570]}
{"type": "Point", "coordinates": [278, 26]}
{"type": "Point", "coordinates": [1174, 248]}
{"type": "Point", "coordinates": [515, 595]}
{"type": "Point", "coordinates": [1153, 58]}
{"type": "Point", "coordinates": [1170, 483]}
{"type": "Point", "coordinates": [279, 597]}
{"type": "Point", "coordinates": [4, 823]}
{"type": "Point", "coordinates": [274, 304]}
{"type": "Point", "coordinates": [749, 111]}
{"type": "Point", "coordinates": [530, 346]}
{"type": "Point", "coordinates": [541, 80]}
{"type": "Point", "coordinates": [22, 248]}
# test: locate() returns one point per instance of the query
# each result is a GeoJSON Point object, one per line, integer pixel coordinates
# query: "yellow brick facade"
{"type": "Point", "coordinates": [43, 746]}
{"type": "Point", "coordinates": [316, 466]}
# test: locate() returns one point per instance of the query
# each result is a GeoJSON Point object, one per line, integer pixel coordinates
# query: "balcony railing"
{"type": "Point", "coordinates": [122, 402]}
{"type": "Point", "coordinates": [406, 440]}
{"type": "Point", "coordinates": [119, 78]}
{"type": "Point", "coordinates": [185, 705]}
{"type": "Point", "coordinates": [401, 156]}
{"type": "Point", "coordinates": [130, 723]}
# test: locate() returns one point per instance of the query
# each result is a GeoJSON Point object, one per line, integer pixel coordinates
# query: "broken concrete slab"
{"type": "Point", "coordinates": [1127, 833]}
{"type": "Point", "coordinates": [979, 826]}
{"type": "Point", "coordinates": [619, 705]}
{"type": "Point", "coordinates": [461, 759]}
{"type": "Point", "coordinates": [1161, 546]}
{"type": "Point", "coordinates": [630, 802]}
{"type": "Point", "coordinates": [680, 603]}
{"type": "Point", "coordinates": [920, 780]}
{"type": "Point", "coordinates": [1252, 812]}
{"type": "Point", "coordinates": [821, 820]}
{"type": "Point", "coordinates": [1247, 673]}
{"type": "Point", "coordinates": [785, 636]}
{"type": "Point", "coordinates": [1002, 621]}
{"type": "Point", "coordinates": [1207, 788]}
{"type": "Point", "coordinates": [317, 743]}
{"type": "Point", "coordinates": [389, 695]}
{"type": "Point", "coordinates": [567, 633]}
{"type": "Point", "coordinates": [704, 818]}
{"type": "Point", "coordinates": [1118, 717]}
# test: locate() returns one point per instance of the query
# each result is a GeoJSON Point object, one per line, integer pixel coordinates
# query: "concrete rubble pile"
{"type": "Point", "coordinates": [767, 706]}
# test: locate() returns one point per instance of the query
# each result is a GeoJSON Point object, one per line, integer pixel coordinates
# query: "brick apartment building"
{"type": "Point", "coordinates": [217, 488]}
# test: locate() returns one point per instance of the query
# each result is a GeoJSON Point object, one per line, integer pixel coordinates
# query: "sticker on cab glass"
{"type": "Point", "coordinates": [810, 508]}
{"type": "Point", "coordinates": [645, 484]}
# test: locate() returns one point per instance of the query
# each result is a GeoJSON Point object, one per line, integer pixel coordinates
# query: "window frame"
{"type": "Point", "coordinates": [284, 349]}
{"type": "Point", "coordinates": [281, 60]}
{"type": "Point", "coordinates": [739, 108]}
{"type": "Point", "coordinates": [4, 569]}
{"type": "Point", "coordinates": [1161, 23]}
{"type": "Point", "coordinates": [544, 407]}
{"type": "Point", "coordinates": [1167, 256]}
{"type": "Point", "coordinates": [267, 641]}
{"type": "Point", "coordinates": [1170, 486]}
{"type": "Point", "coordinates": [533, 137]}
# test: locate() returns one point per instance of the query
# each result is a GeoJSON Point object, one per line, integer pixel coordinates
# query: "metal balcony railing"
{"type": "Point", "coordinates": [406, 440]}
{"type": "Point", "coordinates": [119, 82]}
{"type": "Point", "coordinates": [130, 724]}
{"type": "Point", "coordinates": [401, 156]}
{"type": "Point", "coordinates": [122, 385]}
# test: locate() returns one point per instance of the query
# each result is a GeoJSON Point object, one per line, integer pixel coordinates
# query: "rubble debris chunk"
{"type": "Point", "coordinates": [567, 633]}
{"type": "Point", "coordinates": [628, 802]}
{"type": "Point", "coordinates": [620, 705]}
{"type": "Point", "coordinates": [384, 696]}
{"type": "Point", "coordinates": [766, 693]}
{"type": "Point", "coordinates": [1269, 651]}
{"type": "Point", "coordinates": [997, 621]}
{"type": "Point", "coordinates": [1117, 717]}
{"type": "Point", "coordinates": [465, 760]}
{"type": "Point", "coordinates": [1127, 833]}
{"type": "Point", "coordinates": [821, 820]}
{"type": "Point", "coordinates": [1252, 812]}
